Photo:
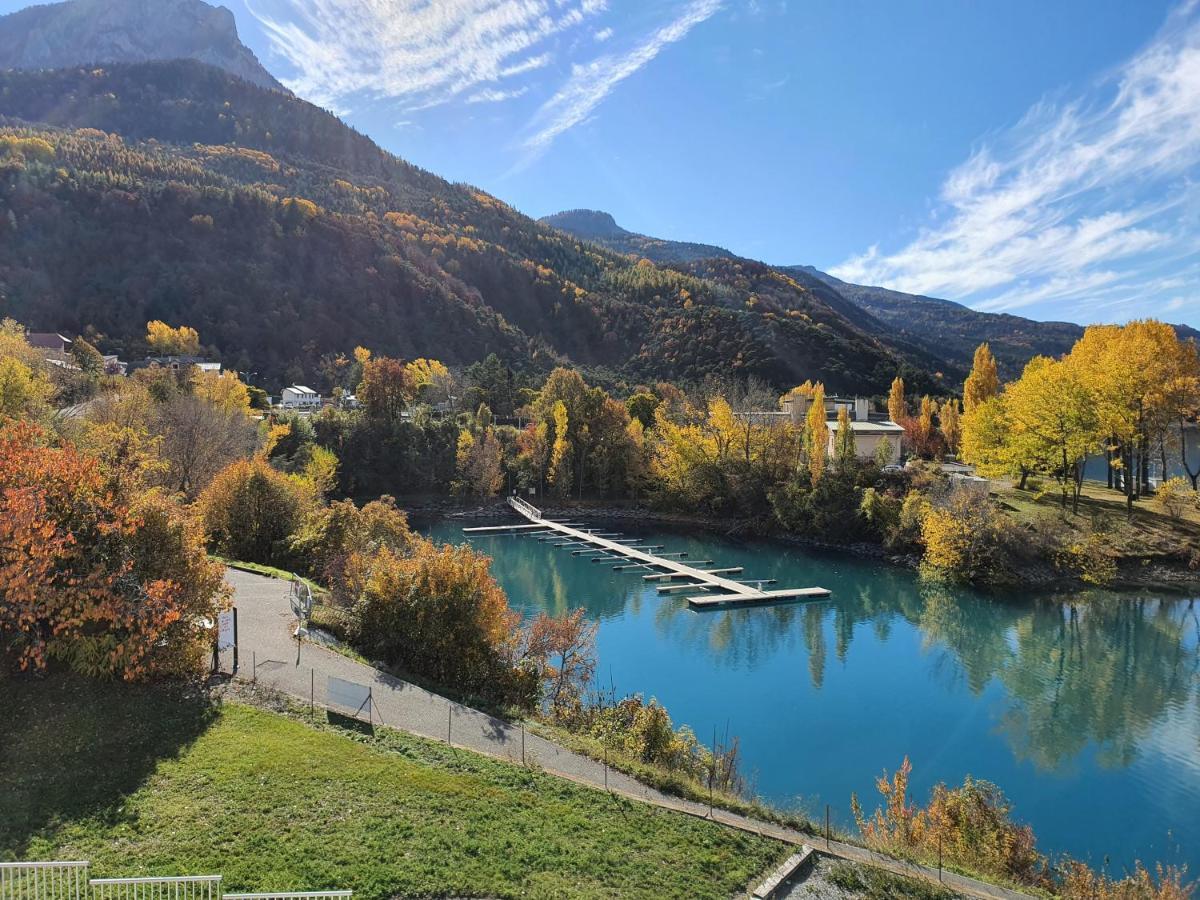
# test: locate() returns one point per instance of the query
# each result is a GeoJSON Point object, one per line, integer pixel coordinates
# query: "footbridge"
{"type": "Point", "coordinates": [712, 589]}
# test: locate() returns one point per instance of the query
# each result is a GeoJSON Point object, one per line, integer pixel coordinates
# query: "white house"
{"type": "Point", "coordinates": [869, 437]}
{"type": "Point", "coordinates": [299, 397]}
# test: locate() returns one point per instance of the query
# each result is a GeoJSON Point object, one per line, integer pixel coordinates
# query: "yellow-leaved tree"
{"type": "Point", "coordinates": [167, 341]}
{"type": "Point", "coordinates": [983, 383]}
{"type": "Point", "coordinates": [817, 434]}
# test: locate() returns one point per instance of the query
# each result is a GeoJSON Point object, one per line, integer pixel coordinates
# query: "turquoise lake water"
{"type": "Point", "coordinates": [1084, 709]}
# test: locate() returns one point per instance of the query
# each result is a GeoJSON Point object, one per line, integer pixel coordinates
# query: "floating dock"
{"type": "Point", "coordinates": [731, 592]}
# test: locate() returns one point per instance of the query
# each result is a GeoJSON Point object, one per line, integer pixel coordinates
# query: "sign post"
{"type": "Point", "coordinates": [227, 634]}
{"type": "Point", "coordinates": [302, 603]}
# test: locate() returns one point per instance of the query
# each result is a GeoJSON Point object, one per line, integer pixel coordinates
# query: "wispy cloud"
{"type": "Point", "coordinates": [1079, 200]}
{"type": "Point", "coordinates": [420, 51]}
{"type": "Point", "coordinates": [591, 82]}
{"type": "Point", "coordinates": [492, 95]}
{"type": "Point", "coordinates": [603, 34]}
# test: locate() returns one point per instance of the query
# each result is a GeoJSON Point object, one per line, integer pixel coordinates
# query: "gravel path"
{"type": "Point", "coordinates": [269, 653]}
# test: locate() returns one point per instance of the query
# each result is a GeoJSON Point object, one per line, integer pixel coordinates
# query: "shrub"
{"type": "Point", "coordinates": [1091, 559]}
{"type": "Point", "coordinates": [438, 613]}
{"type": "Point", "coordinates": [643, 731]}
{"type": "Point", "coordinates": [971, 825]}
{"type": "Point", "coordinates": [1079, 882]}
{"type": "Point", "coordinates": [249, 510]}
{"type": "Point", "coordinates": [967, 539]}
{"type": "Point", "coordinates": [1175, 495]}
{"type": "Point", "coordinates": [332, 535]}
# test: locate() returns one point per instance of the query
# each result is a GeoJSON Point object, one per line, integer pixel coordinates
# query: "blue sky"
{"type": "Point", "coordinates": [1026, 156]}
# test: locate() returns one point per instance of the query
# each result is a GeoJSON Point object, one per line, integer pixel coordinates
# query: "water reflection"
{"type": "Point", "coordinates": [1084, 708]}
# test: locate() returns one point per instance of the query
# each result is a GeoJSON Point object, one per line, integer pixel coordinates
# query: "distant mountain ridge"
{"type": "Point", "coordinates": [88, 32]}
{"type": "Point", "coordinates": [944, 330]}
{"type": "Point", "coordinates": [601, 227]}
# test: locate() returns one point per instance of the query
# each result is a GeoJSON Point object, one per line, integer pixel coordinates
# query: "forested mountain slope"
{"type": "Point", "coordinates": [176, 191]}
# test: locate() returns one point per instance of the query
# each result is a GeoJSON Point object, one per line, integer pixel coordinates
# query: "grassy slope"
{"type": "Point", "coordinates": [145, 780]}
{"type": "Point", "coordinates": [1150, 535]}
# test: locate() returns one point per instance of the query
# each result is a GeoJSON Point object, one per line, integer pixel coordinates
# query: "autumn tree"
{"type": "Point", "coordinates": [1053, 423]}
{"type": "Point", "coordinates": [336, 541]}
{"type": "Point", "coordinates": [983, 381]}
{"type": "Point", "coordinates": [108, 583]}
{"type": "Point", "coordinates": [386, 388]}
{"type": "Point", "coordinates": [198, 439]}
{"type": "Point", "coordinates": [437, 612]}
{"type": "Point", "coordinates": [167, 341]}
{"type": "Point", "coordinates": [642, 406]}
{"type": "Point", "coordinates": [897, 406]}
{"type": "Point", "coordinates": [88, 358]}
{"type": "Point", "coordinates": [845, 455]}
{"type": "Point", "coordinates": [480, 463]}
{"type": "Point", "coordinates": [559, 472]}
{"type": "Point", "coordinates": [249, 511]}
{"type": "Point", "coordinates": [951, 425]}
{"type": "Point", "coordinates": [25, 388]}
{"type": "Point", "coordinates": [430, 380]}
{"type": "Point", "coordinates": [817, 434]}
{"type": "Point", "coordinates": [1143, 379]}
{"type": "Point", "coordinates": [224, 390]}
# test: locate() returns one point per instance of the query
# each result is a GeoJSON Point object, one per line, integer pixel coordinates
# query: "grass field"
{"type": "Point", "coordinates": [143, 780]}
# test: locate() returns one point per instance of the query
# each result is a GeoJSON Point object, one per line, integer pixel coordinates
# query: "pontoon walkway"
{"type": "Point", "coordinates": [734, 593]}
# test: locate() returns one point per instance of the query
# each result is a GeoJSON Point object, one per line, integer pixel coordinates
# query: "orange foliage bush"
{"type": "Point", "coordinates": [108, 587]}
{"type": "Point", "coordinates": [438, 612]}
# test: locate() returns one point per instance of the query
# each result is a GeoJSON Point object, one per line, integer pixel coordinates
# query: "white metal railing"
{"type": "Point", "coordinates": [525, 507]}
{"type": "Point", "coordinates": [188, 887]}
{"type": "Point", "coordinates": [57, 880]}
{"type": "Point", "coordinates": [61, 880]}
{"type": "Point", "coordinates": [292, 895]}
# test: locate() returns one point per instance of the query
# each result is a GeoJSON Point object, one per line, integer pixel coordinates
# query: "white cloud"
{"type": "Point", "coordinates": [1089, 198]}
{"type": "Point", "coordinates": [423, 51]}
{"type": "Point", "coordinates": [591, 82]}
{"type": "Point", "coordinates": [603, 35]}
{"type": "Point", "coordinates": [492, 95]}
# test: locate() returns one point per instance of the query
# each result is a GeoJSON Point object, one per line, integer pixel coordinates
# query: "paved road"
{"type": "Point", "coordinates": [269, 652]}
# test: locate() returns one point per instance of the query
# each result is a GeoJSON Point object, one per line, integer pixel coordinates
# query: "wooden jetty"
{"type": "Point", "coordinates": [732, 592]}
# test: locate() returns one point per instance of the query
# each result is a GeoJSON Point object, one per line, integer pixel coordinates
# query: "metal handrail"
{"type": "Point", "coordinates": [524, 506]}
{"type": "Point", "coordinates": [291, 895]}
{"type": "Point", "coordinates": [152, 879]}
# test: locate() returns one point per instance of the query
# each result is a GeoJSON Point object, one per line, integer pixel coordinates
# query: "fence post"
{"type": "Point", "coordinates": [826, 826]}
{"type": "Point", "coordinates": [605, 766]}
{"type": "Point", "coordinates": [312, 693]}
{"type": "Point", "coordinates": [449, 720]}
{"type": "Point", "coordinates": [712, 774]}
{"type": "Point", "coordinates": [254, 663]}
{"type": "Point", "coordinates": [522, 742]}
{"type": "Point", "coordinates": [939, 856]}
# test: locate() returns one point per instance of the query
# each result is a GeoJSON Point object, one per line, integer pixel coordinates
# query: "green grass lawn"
{"type": "Point", "coordinates": [143, 780]}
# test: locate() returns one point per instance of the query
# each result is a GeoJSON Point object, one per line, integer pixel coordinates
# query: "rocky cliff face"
{"type": "Point", "coordinates": [82, 32]}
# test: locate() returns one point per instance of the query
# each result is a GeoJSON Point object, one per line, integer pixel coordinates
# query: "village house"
{"type": "Point", "coordinates": [299, 397]}
{"type": "Point", "coordinates": [871, 430]}
{"type": "Point", "coordinates": [175, 363]}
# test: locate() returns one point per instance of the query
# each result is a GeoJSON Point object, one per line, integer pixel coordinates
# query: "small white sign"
{"type": "Point", "coordinates": [225, 632]}
{"type": "Point", "coordinates": [348, 694]}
